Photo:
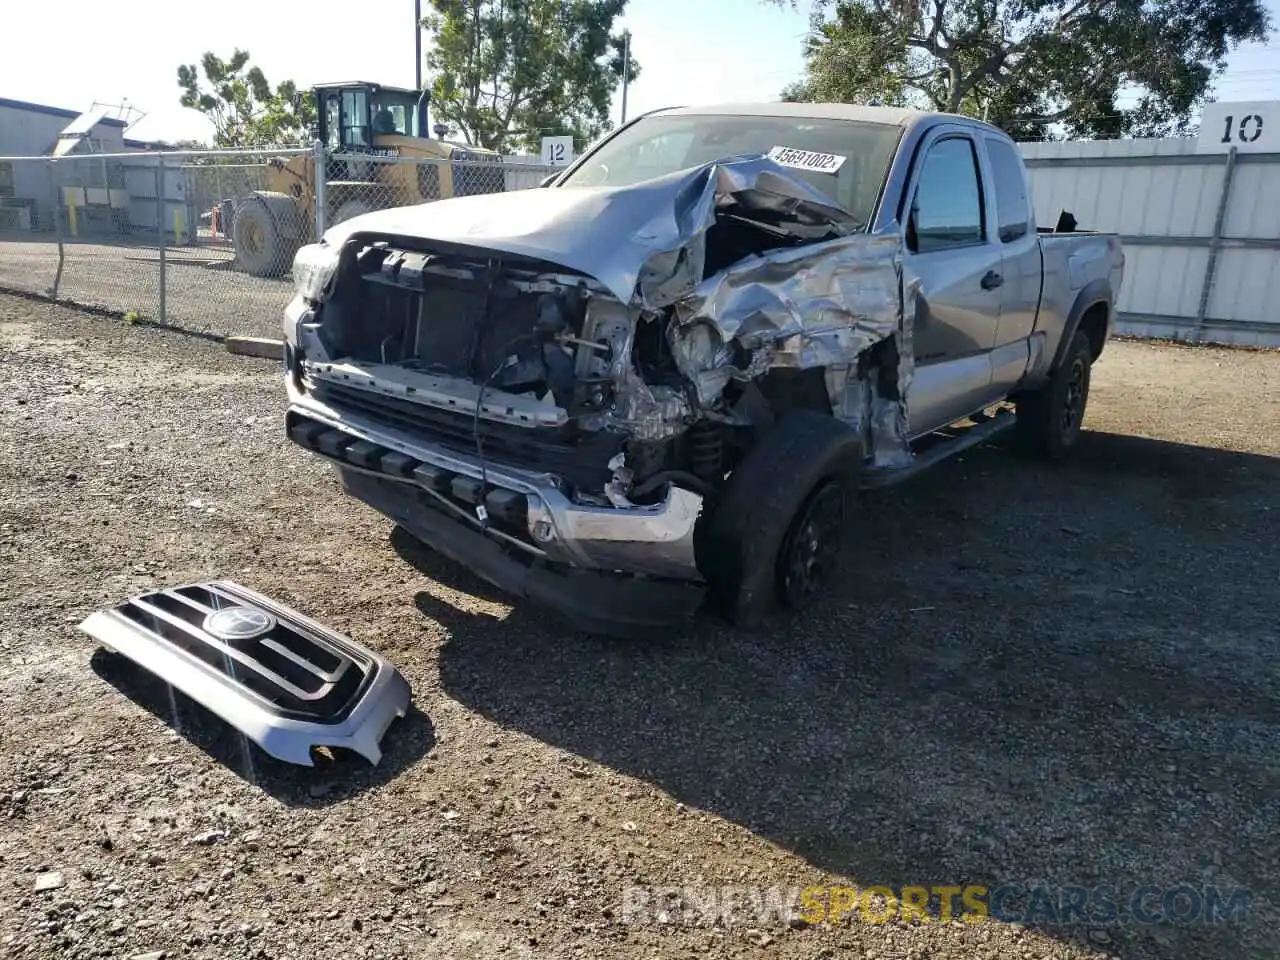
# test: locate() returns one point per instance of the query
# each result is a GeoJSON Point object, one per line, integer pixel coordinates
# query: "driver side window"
{"type": "Point", "coordinates": [947, 209]}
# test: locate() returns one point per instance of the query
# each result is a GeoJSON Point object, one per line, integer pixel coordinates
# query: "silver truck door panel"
{"type": "Point", "coordinates": [954, 314]}
{"type": "Point", "coordinates": [1009, 362]}
{"type": "Point", "coordinates": [1020, 262]}
{"type": "Point", "coordinates": [1019, 307]}
{"type": "Point", "coordinates": [943, 392]}
{"type": "Point", "coordinates": [955, 264]}
{"type": "Point", "coordinates": [1020, 295]}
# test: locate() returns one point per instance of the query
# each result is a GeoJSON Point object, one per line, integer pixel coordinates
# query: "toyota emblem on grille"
{"type": "Point", "coordinates": [238, 623]}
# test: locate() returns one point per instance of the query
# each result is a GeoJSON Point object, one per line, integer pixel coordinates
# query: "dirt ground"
{"type": "Point", "coordinates": [1060, 676]}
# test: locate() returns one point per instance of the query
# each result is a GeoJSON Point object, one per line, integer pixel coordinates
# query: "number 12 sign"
{"type": "Point", "coordinates": [557, 151]}
{"type": "Point", "coordinates": [1252, 127]}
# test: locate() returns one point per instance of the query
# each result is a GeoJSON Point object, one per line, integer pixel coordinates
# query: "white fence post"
{"type": "Point", "coordinates": [319, 163]}
{"type": "Point", "coordinates": [160, 230]}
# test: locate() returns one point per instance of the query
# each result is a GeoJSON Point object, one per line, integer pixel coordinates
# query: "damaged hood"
{"type": "Point", "coordinates": [642, 242]}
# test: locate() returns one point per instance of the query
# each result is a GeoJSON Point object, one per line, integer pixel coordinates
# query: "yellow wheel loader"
{"type": "Point", "coordinates": [368, 130]}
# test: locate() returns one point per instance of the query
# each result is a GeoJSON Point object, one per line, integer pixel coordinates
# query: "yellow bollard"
{"type": "Point", "coordinates": [71, 218]}
{"type": "Point", "coordinates": [177, 227]}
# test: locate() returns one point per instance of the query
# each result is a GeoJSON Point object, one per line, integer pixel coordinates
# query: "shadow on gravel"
{"type": "Point", "coordinates": [329, 781]}
{"type": "Point", "coordinates": [1030, 675]}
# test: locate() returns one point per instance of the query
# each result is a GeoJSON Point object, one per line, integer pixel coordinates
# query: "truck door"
{"type": "Point", "coordinates": [1020, 263]}
{"type": "Point", "coordinates": [954, 262]}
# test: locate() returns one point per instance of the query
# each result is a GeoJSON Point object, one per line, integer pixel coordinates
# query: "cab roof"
{"type": "Point", "coordinates": [904, 117]}
{"type": "Point", "coordinates": [376, 87]}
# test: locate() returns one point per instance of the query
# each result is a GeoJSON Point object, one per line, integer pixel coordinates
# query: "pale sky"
{"type": "Point", "coordinates": [69, 53]}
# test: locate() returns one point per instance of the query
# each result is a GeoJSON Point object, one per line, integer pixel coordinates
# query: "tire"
{"type": "Point", "coordinates": [352, 208]}
{"type": "Point", "coordinates": [1049, 418]}
{"type": "Point", "coordinates": [260, 249]}
{"type": "Point", "coordinates": [793, 488]}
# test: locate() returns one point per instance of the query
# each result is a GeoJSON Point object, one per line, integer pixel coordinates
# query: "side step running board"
{"type": "Point", "coordinates": [285, 681]}
{"type": "Point", "coordinates": [985, 427]}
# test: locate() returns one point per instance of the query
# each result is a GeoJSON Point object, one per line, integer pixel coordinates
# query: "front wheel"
{"type": "Point", "coordinates": [774, 535]}
{"type": "Point", "coordinates": [1050, 417]}
{"type": "Point", "coordinates": [811, 548]}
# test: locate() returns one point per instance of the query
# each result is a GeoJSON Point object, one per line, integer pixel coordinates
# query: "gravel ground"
{"type": "Point", "coordinates": [202, 292]}
{"type": "Point", "coordinates": [1033, 675]}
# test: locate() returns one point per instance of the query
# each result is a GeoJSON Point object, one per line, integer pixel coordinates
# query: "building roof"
{"type": "Point", "coordinates": [134, 144]}
{"type": "Point", "coordinates": [55, 111]}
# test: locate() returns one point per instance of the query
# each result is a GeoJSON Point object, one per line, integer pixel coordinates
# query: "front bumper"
{"type": "Point", "coordinates": [594, 600]}
{"type": "Point", "coordinates": [608, 569]}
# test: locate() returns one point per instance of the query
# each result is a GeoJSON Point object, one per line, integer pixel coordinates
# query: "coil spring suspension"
{"type": "Point", "coordinates": [706, 450]}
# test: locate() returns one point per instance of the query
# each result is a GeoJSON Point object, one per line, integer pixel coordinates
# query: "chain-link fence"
{"type": "Point", "coordinates": [205, 240]}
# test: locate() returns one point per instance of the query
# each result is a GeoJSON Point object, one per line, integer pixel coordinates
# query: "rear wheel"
{"type": "Point", "coordinates": [775, 534]}
{"type": "Point", "coordinates": [1050, 417]}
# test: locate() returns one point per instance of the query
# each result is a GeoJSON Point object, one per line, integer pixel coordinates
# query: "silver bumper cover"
{"type": "Point", "coordinates": [653, 540]}
{"type": "Point", "coordinates": [285, 681]}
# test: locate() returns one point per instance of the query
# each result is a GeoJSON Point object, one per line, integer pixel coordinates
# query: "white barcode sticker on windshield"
{"type": "Point", "coordinates": [806, 159]}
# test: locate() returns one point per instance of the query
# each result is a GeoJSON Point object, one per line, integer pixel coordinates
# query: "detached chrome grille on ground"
{"type": "Point", "coordinates": [285, 681]}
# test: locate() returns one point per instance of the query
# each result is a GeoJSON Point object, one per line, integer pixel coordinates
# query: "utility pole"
{"type": "Point", "coordinates": [626, 70]}
{"type": "Point", "coordinates": [417, 44]}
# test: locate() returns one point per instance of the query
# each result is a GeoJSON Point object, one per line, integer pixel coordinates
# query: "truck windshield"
{"type": "Point", "coordinates": [845, 159]}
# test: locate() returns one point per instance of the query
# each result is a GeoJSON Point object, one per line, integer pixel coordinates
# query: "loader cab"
{"type": "Point", "coordinates": [353, 113]}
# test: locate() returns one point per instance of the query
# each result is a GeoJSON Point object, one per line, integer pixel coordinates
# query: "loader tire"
{"type": "Point", "coordinates": [1049, 417]}
{"type": "Point", "coordinates": [775, 534]}
{"type": "Point", "coordinates": [260, 247]}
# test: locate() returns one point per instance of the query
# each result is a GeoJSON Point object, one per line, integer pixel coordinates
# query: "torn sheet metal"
{"type": "Point", "coordinates": [891, 428]}
{"type": "Point", "coordinates": [816, 304]}
{"type": "Point", "coordinates": [642, 242]}
{"type": "Point", "coordinates": [813, 306]}
{"type": "Point", "coordinates": [678, 233]}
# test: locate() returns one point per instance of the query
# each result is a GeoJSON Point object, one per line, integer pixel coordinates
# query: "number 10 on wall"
{"type": "Point", "coordinates": [1246, 127]}
{"type": "Point", "coordinates": [1249, 130]}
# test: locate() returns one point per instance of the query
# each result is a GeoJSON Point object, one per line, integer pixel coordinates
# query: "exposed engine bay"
{"type": "Point", "coordinates": [741, 296]}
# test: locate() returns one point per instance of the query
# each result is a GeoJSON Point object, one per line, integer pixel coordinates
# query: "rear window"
{"type": "Point", "coordinates": [845, 159]}
{"type": "Point", "coordinates": [1013, 211]}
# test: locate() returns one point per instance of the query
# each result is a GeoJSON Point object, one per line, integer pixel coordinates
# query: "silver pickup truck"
{"type": "Point", "coordinates": [658, 382]}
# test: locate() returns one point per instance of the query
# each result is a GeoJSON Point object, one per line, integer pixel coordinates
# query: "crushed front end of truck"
{"type": "Point", "coordinates": [552, 386]}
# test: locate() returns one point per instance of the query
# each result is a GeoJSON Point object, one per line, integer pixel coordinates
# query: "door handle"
{"type": "Point", "coordinates": [991, 280]}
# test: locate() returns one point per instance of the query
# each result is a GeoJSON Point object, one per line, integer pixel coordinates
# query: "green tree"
{"type": "Point", "coordinates": [508, 72]}
{"type": "Point", "coordinates": [1027, 65]}
{"type": "Point", "coordinates": [245, 110]}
